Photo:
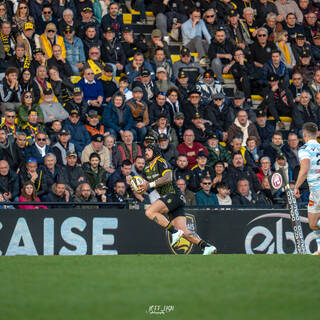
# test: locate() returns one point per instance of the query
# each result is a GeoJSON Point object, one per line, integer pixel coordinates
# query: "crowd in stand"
{"type": "Point", "coordinates": [82, 95]}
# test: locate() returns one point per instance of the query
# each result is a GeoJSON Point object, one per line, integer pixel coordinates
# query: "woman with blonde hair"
{"type": "Point", "coordinates": [21, 17]}
{"type": "Point", "coordinates": [282, 43]}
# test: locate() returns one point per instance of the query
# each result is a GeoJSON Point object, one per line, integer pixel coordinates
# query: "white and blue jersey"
{"type": "Point", "coordinates": [311, 151]}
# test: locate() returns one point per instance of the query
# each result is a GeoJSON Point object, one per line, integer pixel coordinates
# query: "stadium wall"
{"type": "Point", "coordinates": [119, 231]}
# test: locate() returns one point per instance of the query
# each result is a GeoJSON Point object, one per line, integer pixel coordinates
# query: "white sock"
{"type": "Point", "coordinates": [317, 233]}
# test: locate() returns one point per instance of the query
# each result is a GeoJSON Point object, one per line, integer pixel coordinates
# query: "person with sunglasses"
{"type": "Point", "coordinates": [39, 149]}
{"type": "Point", "coordinates": [29, 39]}
{"type": "Point", "coordinates": [9, 124]}
{"type": "Point", "coordinates": [213, 23]}
{"type": "Point", "coordinates": [46, 17]}
{"type": "Point", "coordinates": [49, 38]}
{"type": "Point", "coordinates": [297, 86]}
{"type": "Point", "coordinates": [21, 17]}
{"type": "Point", "coordinates": [205, 197]}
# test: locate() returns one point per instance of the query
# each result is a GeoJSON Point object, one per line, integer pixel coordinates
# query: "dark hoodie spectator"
{"type": "Point", "coordinates": [84, 193]}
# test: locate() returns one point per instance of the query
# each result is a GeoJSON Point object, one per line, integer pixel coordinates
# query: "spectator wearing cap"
{"type": "Point", "coordinates": [168, 150]}
{"type": "Point", "coordinates": [129, 149]}
{"type": "Point", "coordinates": [52, 110]}
{"type": "Point", "coordinates": [163, 82]}
{"type": "Point", "coordinates": [205, 197]}
{"type": "Point", "coordinates": [93, 124]}
{"type": "Point", "coordinates": [131, 45]}
{"type": "Point", "coordinates": [32, 127]}
{"type": "Point", "coordinates": [239, 103]}
{"type": "Point", "coordinates": [101, 192]}
{"type": "Point", "coordinates": [216, 151]}
{"type": "Point", "coordinates": [74, 50]}
{"type": "Point", "coordinates": [80, 137]}
{"type": "Point", "coordinates": [220, 114]}
{"type": "Point", "coordinates": [304, 111]}
{"type": "Point", "coordinates": [63, 145]}
{"type": "Point", "coordinates": [162, 126]}
{"type": "Point", "coordinates": [87, 20]}
{"type": "Point", "coordinates": [193, 30]}
{"type": "Point", "coordinates": [221, 54]}
{"type": "Point", "coordinates": [96, 146]}
{"type": "Point", "coordinates": [154, 43]}
{"type": "Point", "coordinates": [50, 37]}
{"type": "Point", "coordinates": [109, 85]}
{"type": "Point", "coordinates": [140, 114]}
{"type": "Point", "coordinates": [208, 86]}
{"type": "Point", "coordinates": [298, 85]}
{"type": "Point", "coordinates": [199, 171]}
{"type": "Point", "coordinates": [223, 8]}
{"type": "Point", "coordinates": [188, 66]}
{"type": "Point", "coordinates": [45, 18]}
{"type": "Point", "coordinates": [184, 86]}
{"type": "Point", "coordinates": [243, 127]}
{"type": "Point", "coordinates": [117, 116]}
{"type": "Point", "coordinates": [78, 103]}
{"type": "Point", "coordinates": [278, 100]}
{"type": "Point", "coordinates": [136, 66]}
{"type": "Point", "coordinates": [305, 65]}
{"type": "Point", "coordinates": [193, 106]}
{"type": "Point", "coordinates": [281, 163]}
{"type": "Point", "coordinates": [94, 172]}
{"type": "Point", "coordinates": [28, 38]}
{"type": "Point", "coordinates": [113, 19]}
{"type": "Point", "coordinates": [72, 173]}
{"type": "Point", "coordinates": [299, 46]}
{"type": "Point", "coordinates": [39, 149]}
{"type": "Point", "coordinates": [191, 148]}
{"type": "Point", "coordinates": [60, 192]}
{"type": "Point", "coordinates": [200, 128]}
{"type": "Point", "coordinates": [179, 126]}
{"type": "Point", "coordinates": [112, 51]}
{"type": "Point", "coordinates": [92, 90]}
{"type": "Point", "coordinates": [276, 66]}
{"type": "Point", "coordinates": [159, 107]}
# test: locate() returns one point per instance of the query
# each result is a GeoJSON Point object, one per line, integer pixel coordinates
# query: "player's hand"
{"type": "Point", "coordinates": [296, 193]}
{"type": "Point", "coordinates": [143, 187]}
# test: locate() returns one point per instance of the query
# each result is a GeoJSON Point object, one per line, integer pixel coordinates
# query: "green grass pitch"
{"type": "Point", "coordinates": [124, 287]}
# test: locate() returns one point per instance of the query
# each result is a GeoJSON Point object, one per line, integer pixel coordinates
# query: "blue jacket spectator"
{"type": "Point", "coordinates": [117, 116]}
{"type": "Point", "coordinates": [205, 199]}
{"type": "Point", "coordinates": [92, 89]}
{"type": "Point", "coordinates": [272, 67]}
{"type": "Point", "coordinates": [134, 68]}
{"type": "Point", "coordinates": [80, 137]}
{"type": "Point", "coordinates": [39, 149]}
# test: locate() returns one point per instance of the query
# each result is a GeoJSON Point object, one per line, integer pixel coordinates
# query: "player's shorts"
{"type": "Point", "coordinates": [314, 202]}
{"type": "Point", "coordinates": [175, 204]}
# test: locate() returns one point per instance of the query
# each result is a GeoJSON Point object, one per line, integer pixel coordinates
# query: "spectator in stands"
{"type": "Point", "coordinates": [93, 171]}
{"type": "Point", "coordinates": [292, 27]}
{"type": "Point", "coordinates": [282, 42]}
{"type": "Point", "coordinates": [129, 149]}
{"type": "Point", "coordinates": [290, 150]}
{"type": "Point", "coordinates": [243, 127]}
{"type": "Point", "coordinates": [246, 196]}
{"type": "Point", "coordinates": [9, 125]}
{"type": "Point", "coordinates": [60, 192]}
{"type": "Point", "coordinates": [193, 30]}
{"type": "Point", "coordinates": [45, 18]}
{"type": "Point", "coordinates": [192, 107]}
{"type": "Point", "coordinates": [148, 86]}
{"type": "Point", "coordinates": [223, 194]}
{"type": "Point", "coordinates": [184, 86]}
{"type": "Point", "coordinates": [78, 103]}
{"type": "Point", "coordinates": [159, 107]}
{"type": "Point", "coordinates": [34, 173]}
{"type": "Point", "coordinates": [29, 194]}
{"type": "Point", "coordinates": [297, 86]}
{"type": "Point", "coordinates": [93, 54]}
{"type": "Point", "coordinates": [191, 148]}
{"type": "Point", "coordinates": [120, 175]}
{"type": "Point", "coordinates": [281, 162]}
{"type": "Point", "coordinates": [88, 26]}
{"type": "Point", "coordinates": [80, 137]}
{"type": "Point", "coordinates": [200, 170]}
{"type": "Point", "coordinates": [300, 45]}
{"type": "Point", "coordinates": [182, 171]}
{"type": "Point", "coordinates": [188, 195]}
{"type": "Point", "coordinates": [140, 114]}
{"type": "Point", "coordinates": [7, 40]}
{"type": "Point", "coordinates": [163, 82]}
{"type": "Point", "coordinates": [113, 19]}
{"type": "Point", "coordinates": [10, 90]}
{"type": "Point", "coordinates": [63, 145]}
{"type": "Point", "coordinates": [50, 37]}
{"type": "Point", "coordinates": [27, 100]}
{"type": "Point", "coordinates": [208, 86]}
{"type": "Point", "coordinates": [52, 110]}
{"type": "Point", "coordinates": [238, 170]}
{"type": "Point", "coordinates": [265, 169]}
{"type": "Point", "coordinates": [186, 64]}
{"type": "Point", "coordinates": [9, 182]}
{"type": "Point", "coordinates": [304, 111]}
{"type": "Point", "coordinates": [39, 149]}
{"type": "Point", "coordinates": [92, 90]}
{"type": "Point", "coordinates": [168, 150]}
{"type": "Point", "coordinates": [115, 153]}
{"type": "Point", "coordinates": [117, 116]}
{"type": "Point", "coordinates": [119, 193]}
{"type": "Point", "coordinates": [315, 45]}
{"type": "Point", "coordinates": [138, 166]}
{"type": "Point", "coordinates": [72, 173]}
{"type": "Point", "coordinates": [93, 124]}
{"type": "Point", "coordinates": [124, 87]}
{"type": "Point", "coordinates": [101, 192]}
{"type": "Point", "coordinates": [310, 20]}
{"type": "Point", "coordinates": [19, 151]}
{"type": "Point", "coordinates": [205, 197]}
{"type": "Point", "coordinates": [315, 84]}
{"type": "Point", "coordinates": [221, 54]}
{"type": "Point", "coordinates": [53, 131]}
{"type": "Point", "coordinates": [274, 147]}
{"type": "Point", "coordinates": [26, 80]}
{"type": "Point", "coordinates": [200, 128]}
{"type": "Point", "coordinates": [216, 151]}
{"type": "Point", "coordinates": [220, 114]}
{"type": "Point", "coordinates": [158, 53]}
{"type": "Point", "coordinates": [220, 175]}
{"type": "Point", "coordinates": [263, 8]}
{"type": "Point", "coordinates": [179, 126]}
{"type": "Point", "coordinates": [306, 65]}
{"type": "Point", "coordinates": [21, 18]}
{"type": "Point", "coordinates": [265, 128]}
{"type": "Point", "coordinates": [138, 64]}
{"type": "Point", "coordinates": [96, 146]}
{"type": "Point", "coordinates": [288, 6]}
{"type": "Point", "coordinates": [85, 194]}
{"type": "Point", "coordinates": [74, 50]}
{"type": "Point", "coordinates": [241, 103]}
{"type": "Point", "coordinates": [253, 152]}
{"type": "Point", "coordinates": [19, 60]}
{"type": "Point", "coordinates": [51, 169]}
{"type": "Point", "coordinates": [32, 127]}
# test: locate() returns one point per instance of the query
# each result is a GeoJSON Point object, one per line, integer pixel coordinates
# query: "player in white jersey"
{"type": "Point", "coordinates": [309, 157]}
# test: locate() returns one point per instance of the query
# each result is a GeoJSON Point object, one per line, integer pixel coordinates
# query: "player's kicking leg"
{"type": "Point", "coordinates": [314, 223]}
{"type": "Point", "coordinates": [156, 213]}
{"type": "Point", "coordinates": [181, 224]}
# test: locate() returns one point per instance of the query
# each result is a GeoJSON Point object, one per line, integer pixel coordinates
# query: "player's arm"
{"type": "Point", "coordinates": [304, 168]}
{"type": "Point", "coordinates": [164, 179]}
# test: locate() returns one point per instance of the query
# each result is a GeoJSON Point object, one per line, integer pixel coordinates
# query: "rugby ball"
{"type": "Point", "coordinates": [136, 182]}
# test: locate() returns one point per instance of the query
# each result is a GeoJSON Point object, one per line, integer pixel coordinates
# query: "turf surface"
{"type": "Point", "coordinates": [124, 287]}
